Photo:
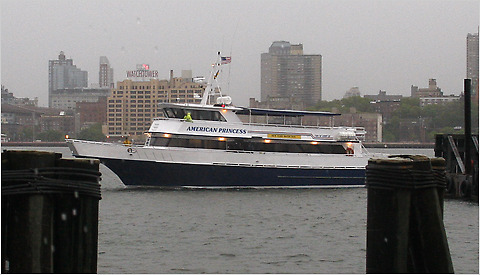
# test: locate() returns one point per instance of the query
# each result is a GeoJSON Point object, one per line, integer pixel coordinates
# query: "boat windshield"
{"type": "Point", "coordinates": [195, 114]}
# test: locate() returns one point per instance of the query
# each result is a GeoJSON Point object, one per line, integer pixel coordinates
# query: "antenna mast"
{"type": "Point", "coordinates": [210, 90]}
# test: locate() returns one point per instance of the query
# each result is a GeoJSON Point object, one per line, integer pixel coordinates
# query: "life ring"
{"type": "Point", "coordinates": [131, 150]}
{"type": "Point", "coordinates": [350, 151]}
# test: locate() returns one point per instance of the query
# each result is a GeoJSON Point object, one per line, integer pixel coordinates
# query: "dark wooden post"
{"type": "Point", "coordinates": [404, 204]}
{"type": "Point", "coordinates": [468, 125]}
{"type": "Point", "coordinates": [428, 248]}
{"type": "Point", "coordinates": [439, 174]}
{"type": "Point", "coordinates": [28, 240]}
{"type": "Point", "coordinates": [76, 217]}
{"type": "Point", "coordinates": [388, 210]}
{"type": "Point", "coordinates": [49, 213]}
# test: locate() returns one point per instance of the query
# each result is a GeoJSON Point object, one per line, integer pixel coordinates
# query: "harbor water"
{"type": "Point", "coordinates": [153, 230]}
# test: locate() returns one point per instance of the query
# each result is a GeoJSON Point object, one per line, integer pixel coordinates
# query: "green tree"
{"type": "Point", "coordinates": [51, 135]}
{"type": "Point", "coordinates": [26, 134]}
{"type": "Point", "coordinates": [409, 108]}
{"type": "Point", "coordinates": [361, 104]}
{"type": "Point", "coordinates": [93, 133]}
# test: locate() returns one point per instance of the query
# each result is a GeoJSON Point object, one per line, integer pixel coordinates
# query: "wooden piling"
{"type": "Point", "coordinates": [47, 202]}
{"type": "Point", "coordinates": [28, 225]}
{"type": "Point", "coordinates": [77, 220]}
{"type": "Point", "coordinates": [405, 231]}
{"type": "Point", "coordinates": [439, 174]}
{"type": "Point", "coordinates": [388, 211]}
{"type": "Point", "coordinates": [428, 246]}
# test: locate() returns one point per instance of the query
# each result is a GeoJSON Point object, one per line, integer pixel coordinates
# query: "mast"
{"type": "Point", "coordinates": [210, 90]}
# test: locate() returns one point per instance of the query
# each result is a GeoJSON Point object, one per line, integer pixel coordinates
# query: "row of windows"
{"type": "Point", "coordinates": [126, 119]}
{"type": "Point", "coordinates": [172, 97]}
{"type": "Point", "coordinates": [147, 115]}
{"type": "Point", "coordinates": [134, 87]}
{"type": "Point", "coordinates": [132, 92]}
{"type": "Point", "coordinates": [127, 101]}
{"type": "Point", "coordinates": [119, 92]}
{"type": "Point", "coordinates": [248, 145]}
{"type": "Point", "coordinates": [128, 114]}
{"type": "Point", "coordinates": [111, 106]}
{"type": "Point", "coordinates": [111, 110]}
{"type": "Point", "coordinates": [144, 126]}
{"type": "Point", "coordinates": [112, 128]}
{"type": "Point", "coordinates": [132, 96]}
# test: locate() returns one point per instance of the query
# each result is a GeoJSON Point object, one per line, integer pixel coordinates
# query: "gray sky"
{"type": "Point", "coordinates": [375, 45]}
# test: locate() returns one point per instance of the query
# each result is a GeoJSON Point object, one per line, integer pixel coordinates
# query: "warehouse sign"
{"type": "Point", "coordinates": [143, 72]}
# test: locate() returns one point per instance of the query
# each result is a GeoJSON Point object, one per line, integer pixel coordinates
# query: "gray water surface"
{"type": "Point", "coordinates": [152, 230]}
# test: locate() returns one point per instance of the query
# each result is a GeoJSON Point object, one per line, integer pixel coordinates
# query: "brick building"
{"type": "Point", "coordinates": [133, 104]}
{"type": "Point", "coordinates": [92, 112]}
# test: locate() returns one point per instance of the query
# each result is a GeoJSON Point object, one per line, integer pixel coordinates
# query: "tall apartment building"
{"type": "Point", "coordinates": [105, 73]}
{"type": "Point", "coordinates": [287, 72]}
{"type": "Point", "coordinates": [472, 60]}
{"type": "Point", "coordinates": [133, 104]}
{"type": "Point", "coordinates": [62, 74]}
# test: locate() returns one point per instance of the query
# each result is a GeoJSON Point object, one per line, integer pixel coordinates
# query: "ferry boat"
{"type": "Point", "coordinates": [220, 145]}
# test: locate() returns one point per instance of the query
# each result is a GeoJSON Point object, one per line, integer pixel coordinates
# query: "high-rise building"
{"type": "Point", "coordinates": [472, 60]}
{"type": "Point", "coordinates": [62, 74]}
{"type": "Point", "coordinates": [287, 72]}
{"type": "Point", "coordinates": [105, 73]}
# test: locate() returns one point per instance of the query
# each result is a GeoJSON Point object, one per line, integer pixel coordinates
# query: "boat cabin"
{"type": "Point", "coordinates": [220, 127]}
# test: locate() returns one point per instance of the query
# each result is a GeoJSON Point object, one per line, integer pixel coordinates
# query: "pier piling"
{"type": "Point", "coordinates": [49, 213]}
{"type": "Point", "coordinates": [405, 231]}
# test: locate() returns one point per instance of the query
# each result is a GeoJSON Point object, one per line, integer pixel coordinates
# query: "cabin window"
{"type": "Point", "coordinates": [207, 115]}
{"type": "Point", "coordinates": [196, 114]}
{"type": "Point", "coordinates": [169, 113]}
{"type": "Point", "coordinates": [159, 141]}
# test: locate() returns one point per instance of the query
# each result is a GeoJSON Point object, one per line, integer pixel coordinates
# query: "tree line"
{"type": "Point", "coordinates": [93, 132]}
{"type": "Point", "coordinates": [447, 118]}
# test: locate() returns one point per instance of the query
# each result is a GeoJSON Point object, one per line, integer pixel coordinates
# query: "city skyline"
{"type": "Point", "coordinates": [373, 45]}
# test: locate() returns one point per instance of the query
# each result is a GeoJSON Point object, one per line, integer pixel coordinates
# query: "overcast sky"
{"type": "Point", "coordinates": [375, 45]}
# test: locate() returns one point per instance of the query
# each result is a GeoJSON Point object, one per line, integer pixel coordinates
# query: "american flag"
{"type": "Point", "coordinates": [226, 59]}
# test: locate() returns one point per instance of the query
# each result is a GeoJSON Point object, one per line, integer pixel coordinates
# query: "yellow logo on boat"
{"type": "Point", "coordinates": [283, 136]}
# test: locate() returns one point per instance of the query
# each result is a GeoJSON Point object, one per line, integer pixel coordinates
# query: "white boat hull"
{"type": "Point", "coordinates": [170, 166]}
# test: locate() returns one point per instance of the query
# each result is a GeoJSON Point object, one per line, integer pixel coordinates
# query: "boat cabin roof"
{"type": "Point", "coordinates": [288, 113]}
{"type": "Point", "coordinates": [197, 107]}
{"type": "Point", "coordinates": [247, 111]}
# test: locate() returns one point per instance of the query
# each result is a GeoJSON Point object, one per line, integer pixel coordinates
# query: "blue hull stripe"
{"type": "Point", "coordinates": [149, 173]}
